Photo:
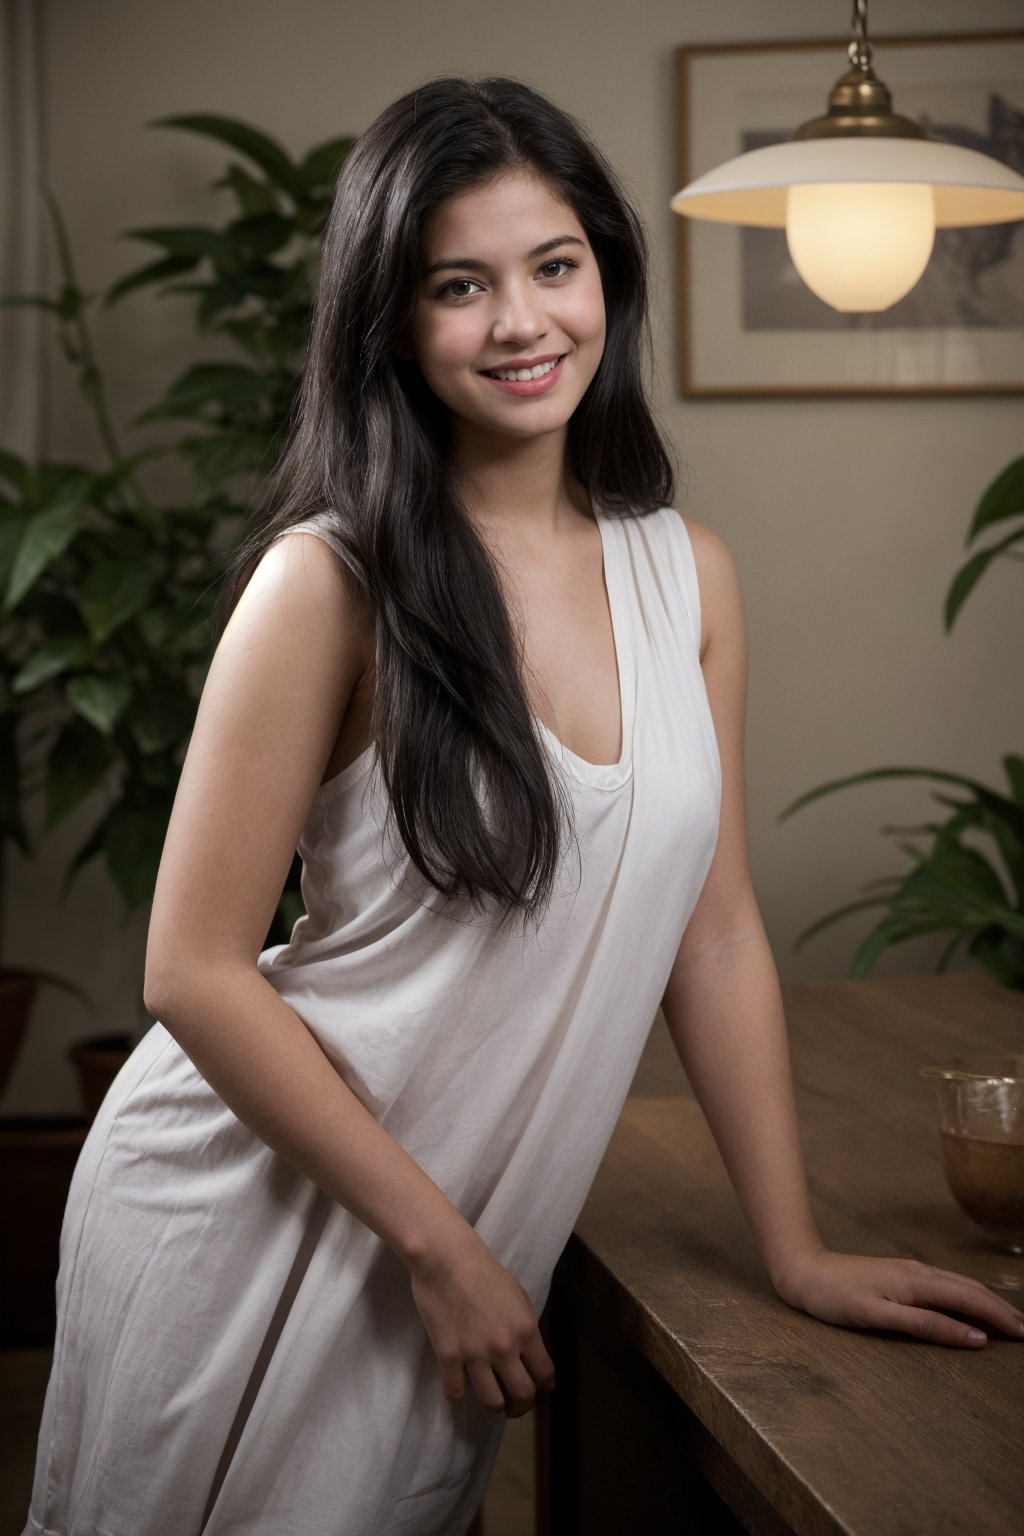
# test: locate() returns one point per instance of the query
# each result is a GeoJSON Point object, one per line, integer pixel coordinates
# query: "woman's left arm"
{"type": "Point", "coordinates": [723, 1006]}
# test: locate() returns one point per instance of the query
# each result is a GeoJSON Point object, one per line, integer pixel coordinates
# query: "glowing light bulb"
{"type": "Point", "coordinates": [860, 245]}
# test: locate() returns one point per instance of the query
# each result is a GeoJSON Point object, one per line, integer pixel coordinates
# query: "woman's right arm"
{"type": "Point", "coordinates": [277, 689]}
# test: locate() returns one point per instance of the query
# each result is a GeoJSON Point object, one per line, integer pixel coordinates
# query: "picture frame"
{"type": "Point", "coordinates": [749, 326]}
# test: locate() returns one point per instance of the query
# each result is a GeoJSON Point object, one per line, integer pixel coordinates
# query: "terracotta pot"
{"type": "Point", "coordinates": [37, 1158]}
{"type": "Point", "coordinates": [97, 1062]}
{"type": "Point", "coordinates": [17, 991]}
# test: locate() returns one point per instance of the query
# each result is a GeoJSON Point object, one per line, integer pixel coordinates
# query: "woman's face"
{"type": "Point", "coordinates": [510, 282]}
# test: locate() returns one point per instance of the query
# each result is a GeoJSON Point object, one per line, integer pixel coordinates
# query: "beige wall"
{"type": "Point", "coordinates": [846, 517]}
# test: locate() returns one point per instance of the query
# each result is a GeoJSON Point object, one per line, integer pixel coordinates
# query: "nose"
{"type": "Point", "coordinates": [520, 315]}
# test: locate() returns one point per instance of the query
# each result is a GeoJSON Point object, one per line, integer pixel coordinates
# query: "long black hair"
{"type": "Point", "coordinates": [367, 447]}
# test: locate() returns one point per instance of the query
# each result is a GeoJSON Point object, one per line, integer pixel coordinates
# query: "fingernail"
{"type": "Point", "coordinates": [975, 1336]}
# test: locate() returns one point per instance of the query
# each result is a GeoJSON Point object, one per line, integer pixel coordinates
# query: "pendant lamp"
{"type": "Point", "coordinates": [860, 191]}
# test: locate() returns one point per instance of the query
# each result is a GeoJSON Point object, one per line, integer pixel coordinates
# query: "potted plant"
{"type": "Point", "coordinates": [107, 592]}
{"type": "Point", "coordinates": [107, 587]}
{"type": "Point", "coordinates": [975, 895]}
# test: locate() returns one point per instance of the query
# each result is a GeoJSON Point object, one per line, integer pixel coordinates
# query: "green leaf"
{"type": "Point", "coordinates": [324, 161]}
{"type": "Point", "coordinates": [49, 477]}
{"type": "Point", "coordinates": [153, 272]}
{"type": "Point", "coordinates": [955, 875]}
{"type": "Point", "coordinates": [256, 279]}
{"type": "Point", "coordinates": [155, 625]}
{"type": "Point", "coordinates": [179, 625]}
{"type": "Point", "coordinates": [46, 535]}
{"type": "Point", "coordinates": [89, 383]}
{"type": "Point", "coordinates": [124, 468]}
{"type": "Point", "coordinates": [161, 770]}
{"type": "Point", "coordinates": [134, 842]}
{"type": "Point", "coordinates": [952, 887]}
{"type": "Point", "coordinates": [884, 773]}
{"type": "Point", "coordinates": [71, 304]}
{"type": "Point", "coordinates": [969, 574]}
{"type": "Point", "coordinates": [208, 384]}
{"type": "Point", "coordinates": [1014, 768]}
{"type": "Point", "coordinates": [12, 528]}
{"type": "Point", "coordinates": [55, 654]}
{"type": "Point", "coordinates": [253, 196]}
{"type": "Point", "coordinates": [67, 266]}
{"type": "Point", "coordinates": [835, 916]}
{"type": "Point", "coordinates": [100, 700]}
{"type": "Point", "coordinates": [90, 849]}
{"type": "Point", "coordinates": [78, 763]}
{"type": "Point", "coordinates": [1003, 958]}
{"type": "Point", "coordinates": [192, 241]}
{"type": "Point", "coordinates": [881, 937]}
{"type": "Point", "coordinates": [218, 458]}
{"type": "Point", "coordinates": [1008, 839]}
{"type": "Point", "coordinates": [215, 298]}
{"type": "Point", "coordinates": [867, 954]}
{"type": "Point", "coordinates": [16, 472]}
{"type": "Point", "coordinates": [253, 334]}
{"type": "Point", "coordinates": [114, 590]}
{"type": "Point", "coordinates": [949, 951]}
{"type": "Point", "coordinates": [29, 301]}
{"type": "Point", "coordinates": [1004, 498]}
{"type": "Point", "coordinates": [160, 720]}
{"type": "Point", "coordinates": [264, 151]}
{"type": "Point", "coordinates": [259, 234]}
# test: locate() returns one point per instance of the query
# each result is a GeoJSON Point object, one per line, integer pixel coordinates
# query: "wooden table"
{"type": "Point", "coordinates": [690, 1398]}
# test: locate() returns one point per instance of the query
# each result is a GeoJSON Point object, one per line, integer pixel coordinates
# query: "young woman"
{"type": "Point", "coordinates": [491, 685]}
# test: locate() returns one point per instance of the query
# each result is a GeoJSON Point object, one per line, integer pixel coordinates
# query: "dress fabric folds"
{"type": "Point", "coordinates": [235, 1352]}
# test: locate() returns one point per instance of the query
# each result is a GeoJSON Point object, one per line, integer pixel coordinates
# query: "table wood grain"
{"type": "Point", "coordinates": [687, 1379]}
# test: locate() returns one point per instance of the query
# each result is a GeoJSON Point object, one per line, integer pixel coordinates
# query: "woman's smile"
{"type": "Point", "coordinates": [525, 378]}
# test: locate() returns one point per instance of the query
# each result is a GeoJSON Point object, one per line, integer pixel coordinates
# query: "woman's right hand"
{"type": "Point", "coordinates": [481, 1324]}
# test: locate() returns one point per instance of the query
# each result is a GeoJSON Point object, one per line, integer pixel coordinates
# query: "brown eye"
{"type": "Point", "coordinates": [457, 282]}
{"type": "Point", "coordinates": [560, 261]}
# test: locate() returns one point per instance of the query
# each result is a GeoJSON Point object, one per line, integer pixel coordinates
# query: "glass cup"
{"type": "Point", "coordinates": [981, 1133]}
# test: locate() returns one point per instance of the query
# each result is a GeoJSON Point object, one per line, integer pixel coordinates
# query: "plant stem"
{"type": "Point", "coordinates": [96, 396]}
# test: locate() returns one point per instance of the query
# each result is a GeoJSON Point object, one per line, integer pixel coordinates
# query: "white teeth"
{"type": "Point", "coordinates": [523, 373]}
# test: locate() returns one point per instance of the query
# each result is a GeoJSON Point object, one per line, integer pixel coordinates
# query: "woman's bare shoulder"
{"type": "Point", "coordinates": [325, 575]}
{"type": "Point", "coordinates": [278, 686]}
{"type": "Point", "coordinates": [710, 550]}
{"type": "Point", "coordinates": [717, 578]}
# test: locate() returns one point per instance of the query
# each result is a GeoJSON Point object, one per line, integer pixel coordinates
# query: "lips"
{"type": "Point", "coordinates": [529, 386]}
{"type": "Point", "coordinates": [518, 364]}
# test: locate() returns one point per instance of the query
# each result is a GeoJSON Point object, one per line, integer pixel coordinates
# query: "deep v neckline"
{"type": "Point", "coordinates": [607, 775]}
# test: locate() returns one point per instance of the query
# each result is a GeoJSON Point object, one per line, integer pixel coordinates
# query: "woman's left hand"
{"type": "Point", "coordinates": [900, 1294]}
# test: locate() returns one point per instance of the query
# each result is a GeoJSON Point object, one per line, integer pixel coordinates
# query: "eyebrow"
{"type": "Point", "coordinates": [481, 266]}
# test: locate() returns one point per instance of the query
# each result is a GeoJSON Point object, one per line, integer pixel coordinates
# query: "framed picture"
{"type": "Point", "coordinates": [748, 325]}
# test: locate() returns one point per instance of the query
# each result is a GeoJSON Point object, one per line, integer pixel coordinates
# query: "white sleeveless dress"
{"type": "Point", "coordinates": [238, 1354]}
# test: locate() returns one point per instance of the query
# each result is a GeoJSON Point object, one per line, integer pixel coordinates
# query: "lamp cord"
{"type": "Point", "coordinates": [860, 50]}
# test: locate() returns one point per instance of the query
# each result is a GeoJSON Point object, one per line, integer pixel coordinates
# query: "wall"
{"type": "Point", "coordinates": [847, 517]}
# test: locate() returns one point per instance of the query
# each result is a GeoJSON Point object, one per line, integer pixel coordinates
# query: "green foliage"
{"type": "Point", "coordinates": [1004, 499]}
{"type": "Point", "coordinates": [953, 887]}
{"type": "Point", "coordinates": [975, 894]}
{"type": "Point", "coordinates": [106, 591]}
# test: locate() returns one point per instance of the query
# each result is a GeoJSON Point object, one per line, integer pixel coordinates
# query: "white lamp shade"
{"type": "Point", "coordinates": [860, 247]}
{"type": "Point", "coordinates": [968, 187]}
